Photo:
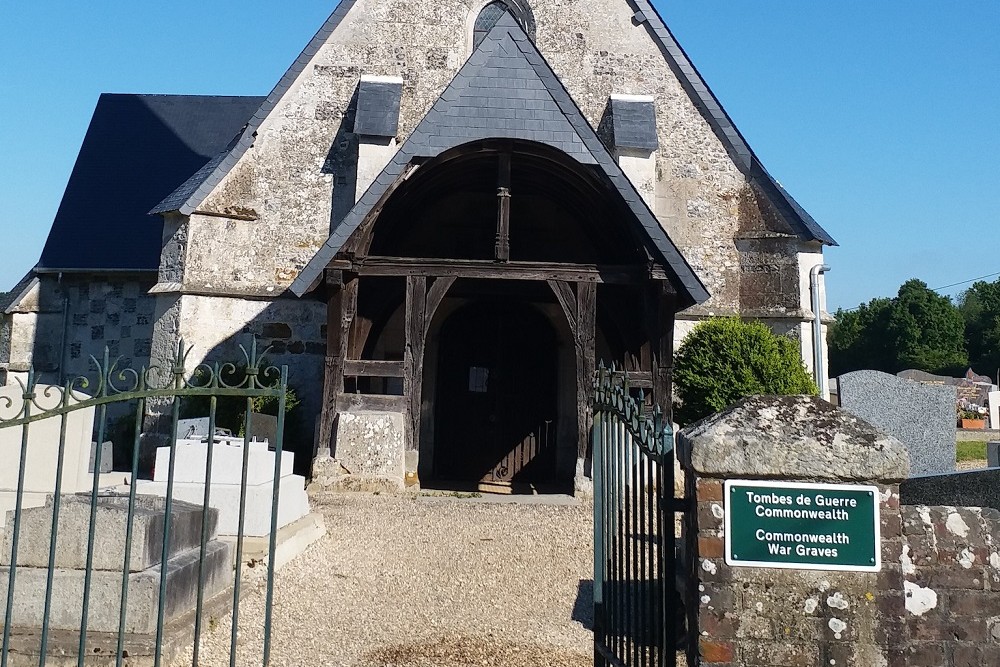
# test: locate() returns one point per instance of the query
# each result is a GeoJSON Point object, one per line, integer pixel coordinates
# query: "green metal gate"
{"type": "Point", "coordinates": [129, 393]}
{"type": "Point", "coordinates": [636, 606]}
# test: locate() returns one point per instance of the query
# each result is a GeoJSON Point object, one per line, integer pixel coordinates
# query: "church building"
{"type": "Point", "coordinates": [442, 218]}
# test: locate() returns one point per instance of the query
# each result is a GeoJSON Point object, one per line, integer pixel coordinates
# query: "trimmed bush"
{"type": "Point", "coordinates": [726, 359]}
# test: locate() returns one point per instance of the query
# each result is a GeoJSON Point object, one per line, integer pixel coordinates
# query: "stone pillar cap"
{"type": "Point", "coordinates": [793, 438]}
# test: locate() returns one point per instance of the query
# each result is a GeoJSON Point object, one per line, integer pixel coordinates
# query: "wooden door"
{"type": "Point", "coordinates": [495, 405]}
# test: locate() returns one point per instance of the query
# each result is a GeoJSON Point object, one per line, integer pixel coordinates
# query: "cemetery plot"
{"type": "Point", "coordinates": [802, 526]}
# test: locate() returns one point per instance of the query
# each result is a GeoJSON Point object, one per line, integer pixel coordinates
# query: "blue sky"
{"type": "Point", "coordinates": [881, 118]}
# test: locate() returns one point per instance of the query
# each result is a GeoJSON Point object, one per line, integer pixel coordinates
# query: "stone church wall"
{"type": "Point", "coordinates": [300, 175]}
{"type": "Point", "coordinates": [59, 325]}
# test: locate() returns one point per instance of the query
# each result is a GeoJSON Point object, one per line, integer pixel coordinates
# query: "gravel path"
{"type": "Point", "coordinates": [414, 581]}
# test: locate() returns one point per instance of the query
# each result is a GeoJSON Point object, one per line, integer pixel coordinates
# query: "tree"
{"type": "Point", "coordinates": [858, 340]}
{"type": "Point", "coordinates": [928, 331]}
{"type": "Point", "coordinates": [980, 308]}
{"type": "Point", "coordinates": [726, 359]}
{"type": "Point", "coordinates": [919, 329]}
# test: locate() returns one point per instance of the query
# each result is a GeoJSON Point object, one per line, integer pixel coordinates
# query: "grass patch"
{"type": "Point", "coordinates": [970, 450]}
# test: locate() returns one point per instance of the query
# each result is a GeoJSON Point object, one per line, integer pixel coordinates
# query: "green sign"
{"type": "Point", "coordinates": [803, 526]}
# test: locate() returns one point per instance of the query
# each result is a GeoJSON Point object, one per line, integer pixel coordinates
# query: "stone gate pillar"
{"type": "Point", "coordinates": [747, 611]}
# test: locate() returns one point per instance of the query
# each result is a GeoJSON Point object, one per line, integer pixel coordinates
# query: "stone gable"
{"type": "Point", "coordinates": [299, 174]}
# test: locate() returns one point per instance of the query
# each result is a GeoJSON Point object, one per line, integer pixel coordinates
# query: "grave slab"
{"type": "Point", "coordinates": [293, 502]}
{"type": "Point", "coordinates": [110, 532]}
{"type": "Point", "coordinates": [227, 462]}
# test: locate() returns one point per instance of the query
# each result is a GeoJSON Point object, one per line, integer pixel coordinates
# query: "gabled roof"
{"type": "Point", "coordinates": [194, 192]}
{"type": "Point", "coordinates": [507, 90]}
{"type": "Point", "coordinates": [9, 300]}
{"type": "Point", "coordinates": [137, 150]}
{"type": "Point", "coordinates": [737, 147]}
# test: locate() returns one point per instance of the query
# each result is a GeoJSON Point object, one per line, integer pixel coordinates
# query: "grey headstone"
{"type": "Point", "coordinates": [921, 416]}
{"type": "Point", "coordinates": [968, 488]}
{"type": "Point", "coordinates": [192, 428]}
{"type": "Point", "coordinates": [993, 454]}
{"type": "Point", "coordinates": [263, 427]}
{"type": "Point", "coordinates": [107, 457]}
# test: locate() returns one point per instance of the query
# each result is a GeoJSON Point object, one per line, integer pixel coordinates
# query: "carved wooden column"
{"type": "Point", "coordinates": [586, 334]}
{"type": "Point", "coordinates": [340, 310]}
{"type": "Point", "coordinates": [413, 359]}
{"type": "Point", "coordinates": [660, 311]}
{"type": "Point", "coordinates": [503, 209]}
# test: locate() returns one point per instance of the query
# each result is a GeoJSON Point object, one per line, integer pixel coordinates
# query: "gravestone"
{"type": "Point", "coordinates": [994, 400]}
{"type": "Point", "coordinates": [107, 457]}
{"type": "Point", "coordinates": [921, 416]}
{"type": "Point", "coordinates": [191, 459]}
{"type": "Point", "coordinates": [263, 427]}
{"type": "Point", "coordinates": [993, 454]}
{"type": "Point", "coordinates": [43, 449]}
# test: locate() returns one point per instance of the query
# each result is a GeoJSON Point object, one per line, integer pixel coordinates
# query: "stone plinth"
{"type": "Point", "coordinates": [921, 416]}
{"type": "Point", "coordinates": [369, 454]}
{"type": "Point", "coordinates": [227, 470]}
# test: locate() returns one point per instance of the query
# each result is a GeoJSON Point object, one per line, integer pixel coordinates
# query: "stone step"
{"type": "Point", "coordinates": [110, 521]}
{"type": "Point", "coordinates": [105, 593]}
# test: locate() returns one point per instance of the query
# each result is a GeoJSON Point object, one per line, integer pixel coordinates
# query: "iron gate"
{"type": "Point", "coordinates": [178, 542]}
{"type": "Point", "coordinates": [636, 606]}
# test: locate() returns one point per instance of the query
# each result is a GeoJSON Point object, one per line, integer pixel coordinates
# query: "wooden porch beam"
{"type": "Point", "coordinates": [373, 368]}
{"type": "Point", "coordinates": [340, 311]}
{"type": "Point", "coordinates": [661, 306]}
{"type": "Point", "coordinates": [474, 268]}
{"type": "Point", "coordinates": [413, 369]}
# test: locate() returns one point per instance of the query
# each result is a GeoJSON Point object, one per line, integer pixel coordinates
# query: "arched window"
{"type": "Point", "coordinates": [492, 12]}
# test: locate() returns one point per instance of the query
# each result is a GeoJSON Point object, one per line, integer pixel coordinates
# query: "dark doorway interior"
{"type": "Point", "coordinates": [496, 404]}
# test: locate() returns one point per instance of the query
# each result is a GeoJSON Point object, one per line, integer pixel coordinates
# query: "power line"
{"type": "Point", "coordinates": [935, 289]}
{"type": "Point", "coordinates": [970, 280]}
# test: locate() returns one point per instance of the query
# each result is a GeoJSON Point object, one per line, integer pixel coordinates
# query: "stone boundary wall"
{"type": "Point", "coordinates": [949, 613]}
{"type": "Point", "coordinates": [935, 602]}
{"type": "Point", "coordinates": [792, 618]}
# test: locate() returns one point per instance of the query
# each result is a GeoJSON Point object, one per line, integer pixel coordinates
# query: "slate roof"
{"type": "Point", "coordinates": [633, 123]}
{"type": "Point", "coordinates": [723, 125]}
{"type": "Point", "coordinates": [507, 90]}
{"type": "Point", "coordinates": [11, 298]}
{"type": "Point", "coordinates": [187, 198]}
{"type": "Point", "coordinates": [194, 192]}
{"type": "Point", "coordinates": [378, 107]}
{"type": "Point", "coordinates": [137, 150]}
